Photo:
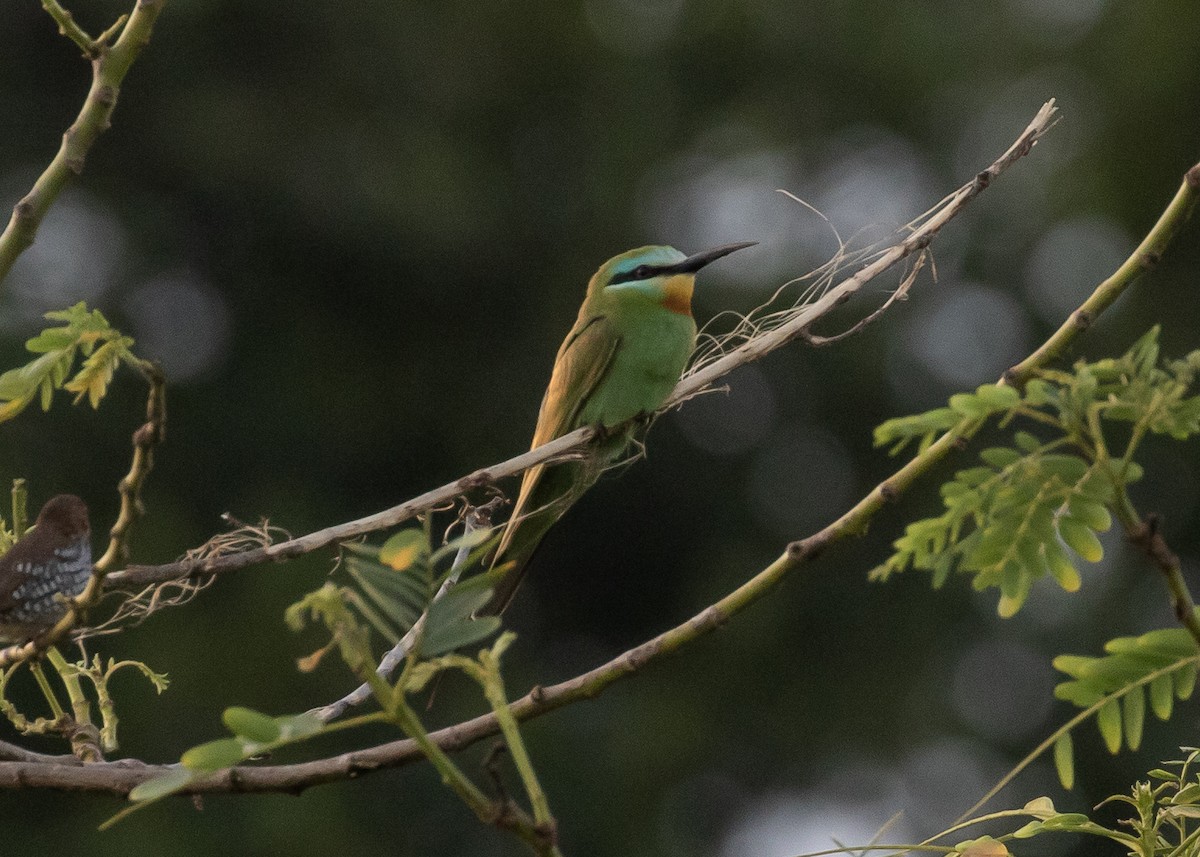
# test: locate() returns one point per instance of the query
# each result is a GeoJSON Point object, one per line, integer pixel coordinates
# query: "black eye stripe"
{"type": "Point", "coordinates": [641, 272]}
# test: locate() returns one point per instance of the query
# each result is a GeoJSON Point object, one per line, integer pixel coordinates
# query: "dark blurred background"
{"type": "Point", "coordinates": [355, 234]}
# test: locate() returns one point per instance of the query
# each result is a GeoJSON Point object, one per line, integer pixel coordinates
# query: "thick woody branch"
{"type": "Point", "coordinates": [575, 442]}
{"type": "Point", "coordinates": [110, 63]}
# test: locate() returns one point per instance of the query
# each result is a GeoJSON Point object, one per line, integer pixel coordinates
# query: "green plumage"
{"type": "Point", "coordinates": [623, 357]}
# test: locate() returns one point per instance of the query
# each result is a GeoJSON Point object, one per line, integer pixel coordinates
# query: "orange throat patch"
{"type": "Point", "coordinates": [679, 294]}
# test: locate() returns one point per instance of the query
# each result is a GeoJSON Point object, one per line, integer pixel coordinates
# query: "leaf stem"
{"type": "Point", "coordinates": [492, 683]}
{"type": "Point", "coordinates": [20, 508]}
{"type": "Point", "coordinates": [1081, 717]}
{"type": "Point", "coordinates": [86, 742]}
{"type": "Point", "coordinates": [56, 709]}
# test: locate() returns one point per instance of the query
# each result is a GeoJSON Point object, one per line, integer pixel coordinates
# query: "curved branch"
{"type": "Point", "coordinates": [110, 63]}
{"type": "Point", "coordinates": [574, 443]}
{"type": "Point", "coordinates": [147, 436]}
{"type": "Point", "coordinates": [1144, 258]}
{"type": "Point", "coordinates": [119, 778]}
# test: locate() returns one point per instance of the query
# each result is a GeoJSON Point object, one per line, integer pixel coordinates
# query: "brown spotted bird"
{"type": "Point", "coordinates": [50, 563]}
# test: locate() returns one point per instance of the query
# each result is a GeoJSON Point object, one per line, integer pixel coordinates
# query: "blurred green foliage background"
{"type": "Point", "coordinates": [355, 233]}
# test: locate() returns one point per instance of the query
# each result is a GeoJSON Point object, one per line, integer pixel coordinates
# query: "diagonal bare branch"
{"type": "Point", "coordinates": [918, 238]}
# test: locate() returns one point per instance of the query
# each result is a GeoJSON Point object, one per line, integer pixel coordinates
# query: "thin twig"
{"type": "Point", "coordinates": [900, 294]}
{"type": "Point", "coordinates": [1147, 535]}
{"type": "Point", "coordinates": [69, 27]}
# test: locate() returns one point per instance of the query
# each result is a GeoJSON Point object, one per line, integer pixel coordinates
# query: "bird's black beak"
{"type": "Point", "coordinates": [697, 261]}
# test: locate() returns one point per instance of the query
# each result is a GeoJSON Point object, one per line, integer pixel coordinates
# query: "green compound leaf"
{"type": "Point", "coordinates": [81, 332]}
{"type": "Point", "coordinates": [1157, 664]}
{"type": "Point", "coordinates": [1007, 520]}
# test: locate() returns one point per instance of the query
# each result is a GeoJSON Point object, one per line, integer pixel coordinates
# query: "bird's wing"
{"type": "Point", "coordinates": [15, 567]}
{"type": "Point", "coordinates": [583, 362]}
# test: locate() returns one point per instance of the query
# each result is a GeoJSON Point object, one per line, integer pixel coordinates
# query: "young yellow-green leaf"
{"type": "Point", "coordinates": [1070, 468]}
{"type": "Point", "coordinates": [403, 549]}
{"type": "Point", "coordinates": [1028, 831]}
{"type": "Point", "coordinates": [1061, 568]}
{"type": "Point", "coordinates": [1162, 696]}
{"type": "Point", "coordinates": [214, 755]}
{"type": "Point", "coordinates": [1000, 457]}
{"type": "Point", "coordinates": [1170, 644]}
{"type": "Point", "coordinates": [1075, 666]}
{"type": "Point", "coordinates": [1026, 442]}
{"type": "Point", "coordinates": [1185, 681]}
{"type": "Point", "coordinates": [1115, 672]}
{"type": "Point", "coordinates": [998, 397]}
{"type": "Point", "coordinates": [254, 725]}
{"type": "Point", "coordinates": [984, 846]}
{"type": "Point", "coordinates": [968, 405]}
{"type": "Point", "coordinates": [1189, 794]}
{"type": "Point", "coordinates": [94, 376]}
{"type": "Point", "coordinates": [1040, 807]}
{"type": "Point", "coordinates": [1037, 392]}
{"type": "Point", "coordinates": [1091, 513]}
{"type": "Point", "coordinates": [162, 785]}
{"type": "Point", "coordinates": [1075, 821]}
{"type": "Point", "coordinates": [1078, 693]}
{"type": "Point", "coordinates": [1133, 709]}
{"type": "Point", "coordinates": [1064, 760]}
{"type": "Point", "coordinates": [295, 726]}
{"type": "Point", "coordinates": [1108, 718]}
{"type": "Point", "coordinates": [51, 339]}
{"type": "Point", "coordinates": [1080, 539]}
{"type": "Point", "coordinates": [994, 545]}
{"type": "Point", "coordinates": [1014, 591]}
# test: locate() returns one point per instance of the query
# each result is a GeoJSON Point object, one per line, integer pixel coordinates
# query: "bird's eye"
{"type": "Point", "coordinates": [641, 272]}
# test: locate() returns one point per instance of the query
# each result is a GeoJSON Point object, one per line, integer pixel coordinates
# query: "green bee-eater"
{"type": "Point", "coordinates": [622, 358]}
